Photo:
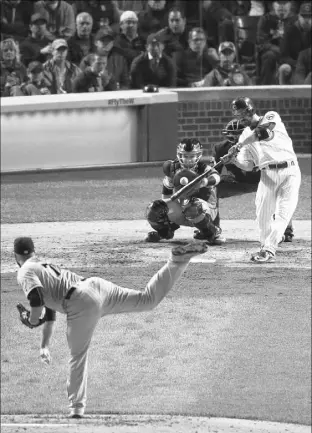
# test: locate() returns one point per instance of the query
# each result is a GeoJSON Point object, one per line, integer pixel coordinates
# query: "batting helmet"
{"type": "Point", "coordinates": [233, 130]}
{"type": "Point", "coordinates": [243, 107]}
{"type": "Point", "coordinates": [189, 152]}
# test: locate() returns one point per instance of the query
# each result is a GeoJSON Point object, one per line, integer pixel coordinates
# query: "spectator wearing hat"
{"type": "Point", "coordinates": [117, 64]}
{"type": "Point", "coordinates": [128, 42]}
{"type": "Point", "coordinates": [15, 19]}
{"type": "Point", "coordinates": [82, 42]}
{"type": "Point", "coordinates": [153, 18]}
{"type": "Point", "coordinates": [61, 17]}
{"type": "Point", "coordinates": [95, 78]}
{"type": "Point", "coordinates": [58, 71]}
{"type": "Point", "coordinates": [227, 73]}
{"type": "Point", "coordinates": [13, 72]}
{"type": "Point", "coordinates": [153, 66]}
{"type": "Point", "coordinates": [105, 13]}
{"type": "Point", "coordinates": [270, 31]}
{"type": "Point", "coordinates": [36, 84]}
{"type": "Point", "coordinates": [297, 38]}
{"type": "Point", "coordinates": [174, 36]}
{"type": "Point", "coordinates": [302, 74]}
{"type": "Point", "coordinates": [196, 61]}
{"type": "Point", "coordinates": [37, 46]}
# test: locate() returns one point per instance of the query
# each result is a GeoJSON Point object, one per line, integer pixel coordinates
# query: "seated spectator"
{"type": "Point", "coordinates": [36, 84]}
{"type": "Point", "coordinates": [82, 42]}
{"type": "Point", "coordinates": [227, 73]}
{"type": "Point", "coordinates": [174, 36]}
{"type": "Point", "coordinates": [302, 73]}
{"type": "Point", "coordinates": [136, 6]}
{"type": "Point", "coordinates": [95, 78]}
{"type": "Point", "coordinates": [61, 17]}
{"type": "Point", "coordinates": [58, 71]}
{"type": "Point", "coordinates": [129, 43]}
{"type": "Point", "coordinates": [117, 64]}
{"type": "Point", "coordinates": [270, 32]}
{"type": "Point", "coordinates": [154, 18]}
{"type": "Point", "coordinates": [153, 66]}
{"type": "Point", "coordinates": [13, 72]}
{"type": "Point", "coordinates": [194, 63]}
{"type": "Point", "coordinates": [297, 38]}
{"type": "Point", "coordinates": [37, 46]}
{"type": "Point", "coordinates": [15, 19]}
{"type": "Point", "coordinates": [105, 13]}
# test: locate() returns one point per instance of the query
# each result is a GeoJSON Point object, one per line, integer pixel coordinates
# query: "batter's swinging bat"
{"type": "Point", "coordinates": [193, 182]}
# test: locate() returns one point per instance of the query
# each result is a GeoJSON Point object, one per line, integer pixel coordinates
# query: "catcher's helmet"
{"type": "Point", "coordinates": [243, 107]}
{"type": "Point", "coordinates": [233, 130]}
{"type": "Point", "coordinates": [189, 152]}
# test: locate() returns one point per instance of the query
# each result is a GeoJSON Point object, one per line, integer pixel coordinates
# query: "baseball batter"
{"type": "Point", "coordinates": [234, 180]}
{"type": "Point", "coordinates": [199, 209]}
{"type": "Point", "coordinates": [266, 145]}
{"type": "Point", "coordinates": [85, 301]}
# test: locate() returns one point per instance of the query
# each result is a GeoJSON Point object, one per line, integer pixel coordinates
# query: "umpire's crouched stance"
{"type": "Point", "coordinates": [85, 301]}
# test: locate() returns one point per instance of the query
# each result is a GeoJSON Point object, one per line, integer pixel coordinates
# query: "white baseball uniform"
{"type": "Point", "coordinates": [92, 299]}
{"type": "Point", "coordinates": [278, 189]}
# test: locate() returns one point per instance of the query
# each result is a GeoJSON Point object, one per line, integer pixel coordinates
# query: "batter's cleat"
{"type": "Point", "coordinates": [152, 237]}
{"type": "Point", "coordinates": [217, 240]}
{"type": "Point", "coordinates": [263, 256]}
{"type": "Point", "coordinates": [184, 253]}
{"type": "Point", "coordinates": [287, 238]}
{"type": "Point", "coordinates": [76, 416]}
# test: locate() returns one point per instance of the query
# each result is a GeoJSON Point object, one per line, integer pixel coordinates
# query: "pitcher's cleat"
{"type": "Point", "coordinates": [184, 253]}
{"type": "Point", "coordinates": [263, 257]}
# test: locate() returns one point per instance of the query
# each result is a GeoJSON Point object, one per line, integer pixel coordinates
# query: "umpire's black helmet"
{"type": "Point", "coordinates": [243, 107]}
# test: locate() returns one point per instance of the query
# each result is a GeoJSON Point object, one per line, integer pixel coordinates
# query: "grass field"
{"type": "Point", "coordinates": [228, 342]}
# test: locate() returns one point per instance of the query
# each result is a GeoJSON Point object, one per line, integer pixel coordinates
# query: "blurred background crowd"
{"type": "Point", "coordinates": [52, 47]}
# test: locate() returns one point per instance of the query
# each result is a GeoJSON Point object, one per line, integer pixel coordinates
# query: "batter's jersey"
{"type": "Point", "coordinates": [53, 281]}
{"type": "Point", "coordinates": [172, 167]}
{"type": "Point", "coordinates": [275, 149]}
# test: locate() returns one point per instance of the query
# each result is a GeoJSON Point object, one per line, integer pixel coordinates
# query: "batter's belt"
{"type": "Point", "coordinates": [71, 291]}
{"type": "Point", "coordinates": [279, 165]}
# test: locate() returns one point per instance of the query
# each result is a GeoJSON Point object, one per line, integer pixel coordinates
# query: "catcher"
{"type": "Point", "coordinates": [198, 208]}
{"type": "Point", "coordinates": [234, 180]}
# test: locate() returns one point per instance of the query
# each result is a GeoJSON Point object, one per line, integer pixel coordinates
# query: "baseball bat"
{"type": "Point", "coordinates": [197, 179]}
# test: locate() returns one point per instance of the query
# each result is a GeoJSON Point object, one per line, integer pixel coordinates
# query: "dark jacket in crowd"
{"type": "Point", "coordinates": [303, 67]}
{"type": "Point", "coordinates": [30, 50]}
{"type": "Point", "coordinates": [129, 49]}
{"type": "Point", "coordinates": [51, 76]}
{"type": "Point", "coordinates": [117, 66]}
{"type": "Point", "coordinates": [15, 21]}
{"type": "Point", "coordinates": [267, 30]}
{"type": "Point", "coordinates": [151, 21]}
{"type": "Point", "coordinates": [61, 20]}
{"type": "Point", "coordinates": [219, 77]}
{"type": "Point", "coordinates": [172, 42]}
{"type": "Point", "coordinates": [11, 77]}
{"type": "Point", "coordinates": [32, 89]}
{"type": "Point", "coordinates": [191, 67]}
{"type": "Point", "coordinates": [87, 81]}
{"type": "Point", "coordinates": [141, 72]}
{"type": "Point", "coordinates": [294, 41]}
{"type": "Point", "coordinates": [75, 51]}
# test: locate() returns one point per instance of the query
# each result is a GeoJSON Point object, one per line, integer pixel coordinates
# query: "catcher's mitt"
{"type": "Point", "coordinates": [24, 317]}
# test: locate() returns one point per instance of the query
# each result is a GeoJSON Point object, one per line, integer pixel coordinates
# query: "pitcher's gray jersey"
{"type": "Point", "coordinates": [53, 281]}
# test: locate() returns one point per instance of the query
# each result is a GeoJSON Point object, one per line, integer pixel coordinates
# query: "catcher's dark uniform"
{"type": "Point", "coordinates": [199, 209]}
{"type": "Point", "coordinates": [238, 181]}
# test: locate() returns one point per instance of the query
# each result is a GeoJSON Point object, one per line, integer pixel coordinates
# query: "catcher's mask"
{"type": "Point", "coordinates": [189, 152]}
{"type": "Point", "coordinates": [233, 130]}
{"type": "Point", "coordinates": [243, 109]}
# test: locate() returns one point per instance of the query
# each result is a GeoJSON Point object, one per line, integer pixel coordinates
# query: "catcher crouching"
{"type": "Point", "coordinates": [196, 208]}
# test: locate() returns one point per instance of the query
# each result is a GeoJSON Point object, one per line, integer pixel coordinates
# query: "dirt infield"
{"type": "Point", "coordinates": [142, 424]}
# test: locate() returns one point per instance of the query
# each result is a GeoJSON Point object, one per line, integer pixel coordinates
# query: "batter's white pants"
{"type": "Point", "coordinates": [95, 298]}
{"type": "Point", "coordinates": [277, 194]}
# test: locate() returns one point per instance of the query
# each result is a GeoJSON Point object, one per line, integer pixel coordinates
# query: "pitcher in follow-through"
{"type": "Point", "coordinates": [266, 145]}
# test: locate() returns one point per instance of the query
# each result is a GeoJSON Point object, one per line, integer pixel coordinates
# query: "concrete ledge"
{"type": "Point", "coordinates": [74, 101]}
{"type": "Point", "coordinates": [256, 92]}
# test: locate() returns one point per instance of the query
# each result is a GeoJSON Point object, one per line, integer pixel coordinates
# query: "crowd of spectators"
{"type": "Point", "coordinates": [54, 47]}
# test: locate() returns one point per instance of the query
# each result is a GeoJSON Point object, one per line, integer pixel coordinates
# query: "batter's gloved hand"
{"type": "Point", "coordinates": [24, 315]}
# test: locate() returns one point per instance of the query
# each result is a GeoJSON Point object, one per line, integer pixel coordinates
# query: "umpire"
{"type": "Point", "coordinates": [237, 181]}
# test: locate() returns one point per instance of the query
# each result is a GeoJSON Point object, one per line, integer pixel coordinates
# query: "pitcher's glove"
{"type": "Point", "coordinates": [24, 317]}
